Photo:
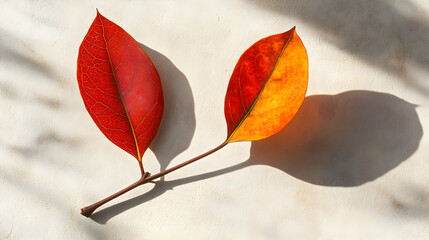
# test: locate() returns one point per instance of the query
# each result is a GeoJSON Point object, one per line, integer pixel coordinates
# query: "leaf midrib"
{"type": "Point", "coordinates": [120, 94]}
{"type": "Point", "coordinates": [260, 92]}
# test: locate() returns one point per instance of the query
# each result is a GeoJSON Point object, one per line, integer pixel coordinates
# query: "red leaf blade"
{"type": "Point", "coordinates": [120, 86]}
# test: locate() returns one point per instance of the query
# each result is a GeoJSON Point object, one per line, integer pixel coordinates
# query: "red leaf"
{"type": "Point", "coordinates": [119, 86]}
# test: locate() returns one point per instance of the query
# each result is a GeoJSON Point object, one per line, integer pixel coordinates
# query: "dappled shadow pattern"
{"type": "Point", "coordinates": [10, 54]}
{"type": "Point", "coordinates": [383, 33]}
{"type": "Point", "coordinates": [414, 201]}
{"type": "Point", "coordinates": [178, 122]}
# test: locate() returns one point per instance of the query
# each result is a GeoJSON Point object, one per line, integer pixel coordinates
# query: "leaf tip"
{"type": "Point", "coordinates": [99, 16]}
{"type": "Point", "coordinates": [291, 31]}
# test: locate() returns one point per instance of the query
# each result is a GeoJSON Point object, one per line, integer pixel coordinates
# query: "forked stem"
{"type": "Point", "coordinates": [88, 210]}
{"type": "Point", "coordinates": [141, 167]}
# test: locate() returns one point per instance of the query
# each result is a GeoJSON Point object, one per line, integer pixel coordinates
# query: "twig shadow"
{"type": "Point", "coordinates": [160, 188]}
{"type": "Point", "coordinates": [335, 140]}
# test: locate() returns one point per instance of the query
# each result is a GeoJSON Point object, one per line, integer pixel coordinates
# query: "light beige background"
{"type": "Point", "coordinates": [353, 164]}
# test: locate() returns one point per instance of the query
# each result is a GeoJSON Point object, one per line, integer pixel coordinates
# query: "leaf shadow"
{"type": "Point", "coordinates": [390, 35]}
{"type": "Point", "coordinates": [178, 122]}
{"type": "Point", "coordinates": [343, 140]}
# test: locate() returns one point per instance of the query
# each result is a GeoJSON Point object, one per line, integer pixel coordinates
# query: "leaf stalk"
{"type": "Point", "coordinates": [88, 210]}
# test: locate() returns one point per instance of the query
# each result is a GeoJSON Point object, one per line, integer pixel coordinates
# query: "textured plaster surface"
{"type": "Point", "coordinates": [353, 164]}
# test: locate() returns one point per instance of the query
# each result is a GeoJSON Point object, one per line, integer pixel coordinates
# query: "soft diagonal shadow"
{"type": "Point", "coordinates": [178, 122]}
{"type": "Point", "coordinates": [12, 54]}
{"type": "Point", "coordinates": [335, 140]}
{"type": "Point", "coordinates": [391, 35]}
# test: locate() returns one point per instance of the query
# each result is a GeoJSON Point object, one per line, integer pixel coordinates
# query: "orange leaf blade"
{"type": "Point", "coordinates": [267, 87]}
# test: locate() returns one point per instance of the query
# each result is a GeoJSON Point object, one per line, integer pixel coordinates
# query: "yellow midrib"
{"type": "Point", "coordinates": [120, 94]}
{"type": "Point", "coordinates": [260, 92]}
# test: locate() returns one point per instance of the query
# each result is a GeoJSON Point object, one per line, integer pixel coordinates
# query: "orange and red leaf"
{"type": "Point", "coordinates": [267, 87]}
